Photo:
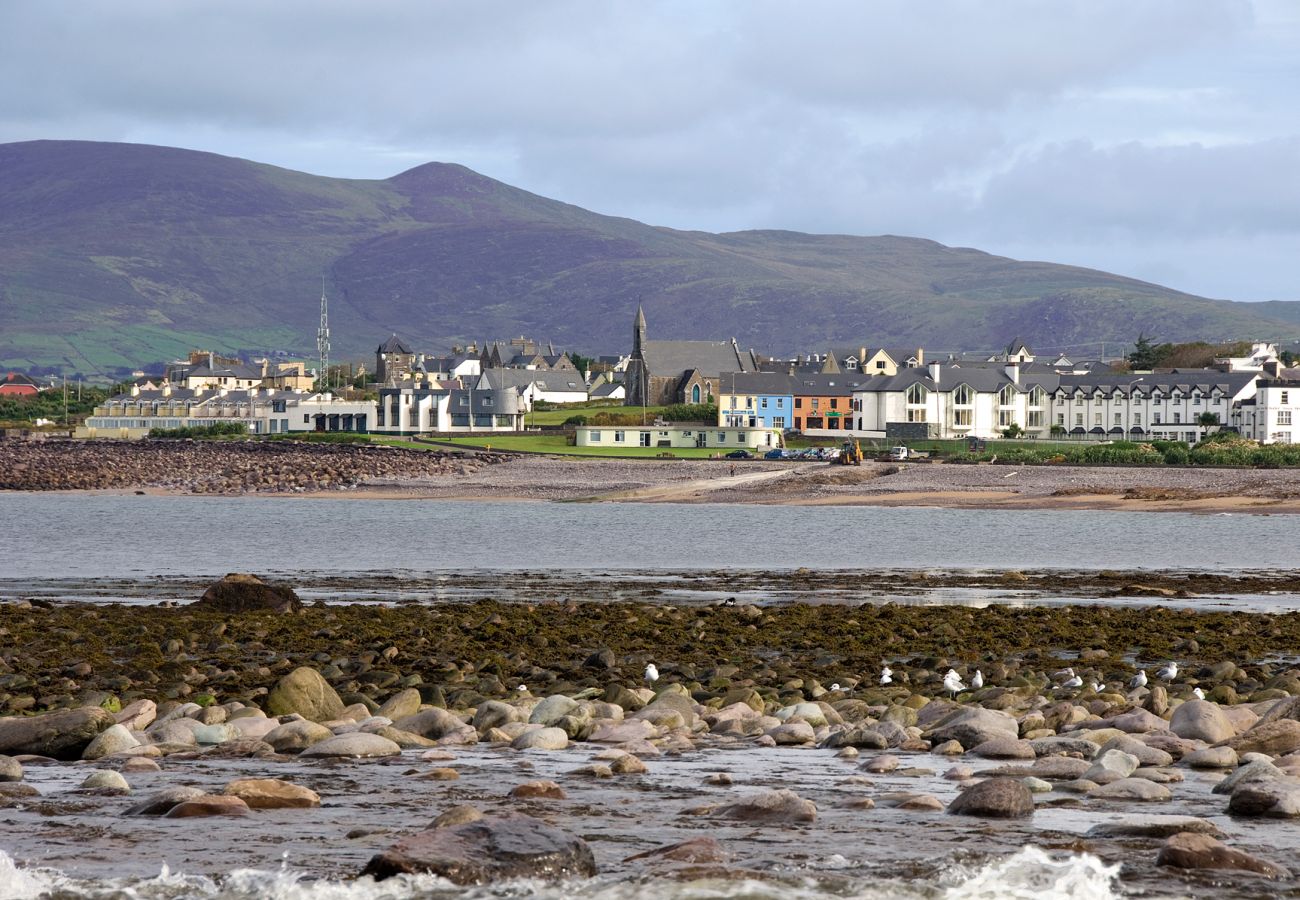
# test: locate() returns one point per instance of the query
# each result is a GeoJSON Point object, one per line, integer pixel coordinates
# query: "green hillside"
{"type": "Point", "coordinates": [117, 255]}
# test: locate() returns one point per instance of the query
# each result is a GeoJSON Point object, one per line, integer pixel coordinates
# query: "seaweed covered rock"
{"type": "Point", "coordinates": [239, 593]}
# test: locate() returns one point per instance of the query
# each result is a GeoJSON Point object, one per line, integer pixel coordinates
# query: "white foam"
{"type": "Point", "coordinates": [1032, 874]}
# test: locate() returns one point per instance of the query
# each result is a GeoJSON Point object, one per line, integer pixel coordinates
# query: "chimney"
{"type": "Point", "coordinates": [862, 355]}
{"type": "Point", "coordinates": [1273, 368]}
{"type": "Point", "coordinates": [1013, 372]}
{"type": "Point", "coordinates": [920, 356]}
{"type": "Point", "coordinates": [934, 373]}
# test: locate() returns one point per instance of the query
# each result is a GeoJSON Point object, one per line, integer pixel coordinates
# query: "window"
{"type": "Point", "coordinates": [1035, 419]}
{"type": "Point", "coordinates": [1284, 397]}
{"type": "Point", "coordinates": [1060, 419]}
{"type": "Point", "coordinates": [963, 395]}
{"type": "Point", "coordinates": [722, 437]}
{"type": "Point", "coordinates": [1096, 419]}
{"type": "Point", "coordinates": [915, 414]}
{"type": "Point", "coordinates": [1096, 399]}
{"type": "Point", "coordinates": [695, 393]}
{"type": "Point", "coordinates": [880, 364]}
{"type": "Point", "coordinates": [735, 401]}
{"type": "Point", "coordinates": [595, 437]}
{"type": "Point", "coordinates": [1284, 417]}
{"type": "Point", "coordinates": [1006, 417]}
{"type": "Point", "coordinates": [1078, 420]}
{"type": "Point", "coordinates": [1007, 396]}
{"type": "Point", "coordinates": [619, 437]}
{"type": "Point", "coordinates": [1155, 419]}
{"type": "Point", "coordinates": [763, 403]}
{"type": "Point", "coordinates": [816, 403]}
{"type": "Point", "coordinates": [917, 394]}
{"type": "Point", "coordinates": [798, 402]}
{"type": "Point", "coordinates": [1178, 418]}
{"type": "Point", "coordinates": [645, 439]}
{"type": "Point", "coordinates": [306, 418]}
{"type": "Point", "coordinates": [1118, 420]}
{"type": "Point", "coordinates": [487, 401]}
{"type": "Point", "coordinates": [1037, 396]}
{"type": "Point", "coordinates": [1137, 418]}
{"type": "Point", "coordinates": [779, 422]}
{"type": "Point", "coordinates": [961, 418]}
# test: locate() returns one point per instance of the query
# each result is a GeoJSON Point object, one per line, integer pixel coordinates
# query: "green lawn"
{"type": "Point", "coordinates": [556, 443]}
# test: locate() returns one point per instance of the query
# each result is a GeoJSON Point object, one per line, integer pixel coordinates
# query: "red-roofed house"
{"type": "Point", "coordinates": [18, 383]}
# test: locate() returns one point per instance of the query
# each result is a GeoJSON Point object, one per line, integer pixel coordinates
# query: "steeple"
{"type": "Point", "coordinates": [638, 330]}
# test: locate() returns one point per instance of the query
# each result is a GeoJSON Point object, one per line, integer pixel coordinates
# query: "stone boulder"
{"type": "Point", "coordinates": [1277, 737]}
{"type": "Point", "coordinates": [552, 709]}
{"type": "Point", "coordinates": [1153, 826]}
{"type": "Point", "coordinates": [10, 769]}
{"type": "Point", "coordinates": [972, 726]}
{"type": "Point", "coordinates": [1139, 789]}
{"type": "Point", "coordinates": [355, 745]}
{"type": "Point", "coordinates": [62, 735]}
{"type": "Point", "coordinates": [114, 739]}
{"type": "Point", "coordinates": [306, 692]}
{"type": "Point", "coordinates": [541, 739]}
{"type": "Point", "coordinates": [695, 851]}
{"type": "Point", "coordinates": [208, 805]}
{"type": "Point", "coordinates": [400, 705]}
{"type": "Point", "coordinates": [492, 848]}
{"type": "Point", "coordinates": [241, 593]}
{"type": "Point", "coordinates": [438, 725]}
{"type": "Point", "coordinates": [1201, 720]}
{"type": "Point", "coordinates": [162, 802]}
{"type": "Point", "coordinates": [771, 807]}
{"type": "Point", "coordinates": [137, 715]}
{"type": "Point", "coordinates": [296, 736]}
{"type": "Point", "coordinates": [1201, 851]}
{"type": "Point", "coordinates": [1276, 799]}
{"type": "Point", "coordinates": [272, 793]}
{"type": "Point", "coordinates": [995, 798]}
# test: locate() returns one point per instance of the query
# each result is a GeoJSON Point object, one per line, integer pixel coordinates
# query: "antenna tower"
{"type": "Point", "coordinates": [323, 334]}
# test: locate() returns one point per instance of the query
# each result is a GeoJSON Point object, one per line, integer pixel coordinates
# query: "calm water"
{"type": "Point", "coordinates": [99, 535]}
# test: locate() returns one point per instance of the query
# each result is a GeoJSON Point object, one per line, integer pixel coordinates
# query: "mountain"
{"type": "Point", "coordinates": [119, 255]}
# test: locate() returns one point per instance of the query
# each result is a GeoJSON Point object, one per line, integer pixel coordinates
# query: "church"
{"type": "Point", "coordinates": [661, 373]}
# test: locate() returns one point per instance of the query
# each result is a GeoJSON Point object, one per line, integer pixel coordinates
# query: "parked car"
{"type": "Point", "coordinates": [740, 454]}
{"type": "Point", "coordinates": [898, 453]}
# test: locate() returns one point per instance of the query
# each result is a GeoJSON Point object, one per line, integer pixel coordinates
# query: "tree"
{"type": "Point", "coordinates": [1208, 420]}
{"type": "Point", "coordinates": [1145, 354]}
{"type": "Point", "coordinates": [1012, 431]}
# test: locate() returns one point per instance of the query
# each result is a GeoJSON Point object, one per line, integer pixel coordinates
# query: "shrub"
{"type": "Point", "coordinates": [216, 429]}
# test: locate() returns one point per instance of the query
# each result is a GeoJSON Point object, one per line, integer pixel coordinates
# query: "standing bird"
{"type": "Point", "coordinates": [835, 686]}
{"type": "Point", "coordinates": [886, 675]}
{"type": "Point", "coordinates": [1169, 672]}
{"type": "Point", "coordinates": [1096, 687]}
{"type": "Point", "coordinates": [1198, 693]}
{"type": "Point", "coordinates": [952, 683]}
{"type": "Point", "coordinates": [1065, 673]}
{"type": "Point", "coordinates": [1072, 683]}
{"type": "Point", "coordinates": [1139, 680]}
{"type": "Point", "coordinates": [651, 673]}
{"type": "Point", "coordinates": [977, 681]}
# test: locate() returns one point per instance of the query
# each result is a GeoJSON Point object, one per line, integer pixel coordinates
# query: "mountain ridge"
{"type": "Point", "coordinates": [120, 255]}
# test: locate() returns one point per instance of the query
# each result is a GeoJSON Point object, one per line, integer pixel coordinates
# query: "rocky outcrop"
{"type": "Point", "coordinates": [240, 593]}
{"type": "Point", "coordinates": [489, 849]}
{"type": "Point", "coordinates": [61, 735]}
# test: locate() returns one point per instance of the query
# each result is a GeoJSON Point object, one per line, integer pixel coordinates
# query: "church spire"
{"type": "Point", "coordinates": [638, 330]}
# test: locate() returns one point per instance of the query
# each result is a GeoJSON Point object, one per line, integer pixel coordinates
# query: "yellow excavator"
{"type": "Point", "coordinates": [851, 454]}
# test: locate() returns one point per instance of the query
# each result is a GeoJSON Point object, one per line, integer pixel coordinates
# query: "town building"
{"type": "Point", "coordinates": [393, 361]}
{"type": "Point", "coordinates": [662, 373]}
{"type": "Point", "coordinates": [447, 408]}
{"type": "Point", "coordinates": [668, 435]}
{"type": "Point", "coordinates": [16, 384]}
{"type": "Point", "coordinates": [261, 411]}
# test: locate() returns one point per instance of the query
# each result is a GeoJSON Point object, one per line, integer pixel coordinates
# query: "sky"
{"type": "Point", "coordinates": [1154, 138]}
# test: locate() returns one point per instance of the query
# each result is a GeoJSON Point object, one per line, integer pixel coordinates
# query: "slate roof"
{"type": "Point", "coordinates": [607, 390]}
{"type": "Point", "coordinates": [564, 380]}
{"type": "Point", "coordinates": [394, 345]}
{"type": "Point", "coordinates": [18, 378]}
{"type": "Point", "coordinates": [711, 358]}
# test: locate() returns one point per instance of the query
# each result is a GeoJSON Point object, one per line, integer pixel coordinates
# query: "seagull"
{"type": "Point", "coordinates": [977, 681]}
{"type": "Point", "coordinates": [1169, 672]}
{"type": "Point", "coordinates": [952, 683]}
{"type": "Point", "coordinates": [651, 673]}
{"type": "Point", "coordinates": [1198, 693]}
{"type": "Point", "coordinates": [835, 686]}
{"type": "Point", "coordinates": [1096, 687]}
{"type": "Point", "coordinates": [1064, 673]}
{"type": "Point", "coordinates": [886, 675]}
{"type": "Point", "coordinates": [523, 689]}
{"type": "Point", "coordinates": [730, 601]}
{"type": "Point", "coordinates": [1075, 682]}
{"type": "Point", "coordinates": [1139, 680]}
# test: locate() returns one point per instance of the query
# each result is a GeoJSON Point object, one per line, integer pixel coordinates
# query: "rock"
{"type": "Point", "coordinates": [793, 733]}
{"type": "Point", "coordinates": [995, 798]}
{"type": "Point", "coordinates": [208, 805]}
{"type": "Point", "coordinates": [543, 789]}
{"type": "Point", "coordinates": [137, 715]}
{"type": "Point", "coordinates": [668, 701]}
{"type": "Point", "coordinates": [622, 732]}
{"type": "Point", "coordinates": [296, 736]}
{"type": "Point", "coordinates": [860, 736]}
{"type": "Point", "coordinates": [1110, 764]}
{"type": "Point", "coordinates": [11, 790]}
{"type": "Point", "coordinates": [240, 593]}
{"type": "Point", "coordinates": [10, 769]}
{"type": "Point", "coordinates": [1269, 799]}
{"type": "Point", "coordinates": [306, 692]}
{"type": "Point", "coordinates": [948, 748]}
{"type": "Point", "coordinates": [441, 774]}
{"type": "Point", "coordinates": [1004, 748]}
{"type": "Point", "coordinates": [457, 815]}
{"type": "Point", "coordinates": [1132, 789]}
{"type": "Point", "coordinates": [208, 735]}
{"type": "Point", "coordinates": [160, 803]}
{"type": "Point", "coordinates": [541, 739]}
{"type": "Point", "coordinates": [403, 739]}
{"type": "Point", "coordinates": [1259, 770]}
{"type": "Point", "coordinates": [1137, 721]}
{"type": "Point", "coordinates": [272, 793]}
{"type": "Point", "coordinates": [1201, 851]}
{"type": "Point", "coordinates": [438, 725]}
{"type": "Point", "coordinates": [552, 709]}
{"type": "Point", "coordinates": [60, 735]}
{"type": "Point", "coordinates": [494, 714]}
{"type": "Point", "coordinates": [106, 781]}
{"type": "Point", "coordinates": [358, 744]}
{"type": "Point", "coordinates": [400, 705]}
{"type": "Point", "coordinates": [140, 764]}
{"type": "Point", "coordinates": [908, 801]}
{"type": "Point", "coordinates": [1146, 756]}
{"type": "Point", "coordinates": [1064, 746]}
{"type": "Point", "coordinates": [879, 765]}
{"type": "Point", "coordinates": [1212, 758]}
{"type": "Point", "coordinates": [1276, 738]}
{"type": "Point", "coordinates": [1037, 785]}
{"type": "Point", "coordinates": [627, 764]}
{"type": "Point", "coordinates": [972, 726]}
{"type": "Point", "coordinates": [771, 807]}
{"type": "Point", "coordinates": [808, 712]}
{"type": "Point", "coordinates": [1201, 720]}
{"type": "Point", "coordinates": [695, 851]}
{"type": "Point", "coordinates": [1153, 826]}
{"type": "Point", "coordinates": [488, 849]}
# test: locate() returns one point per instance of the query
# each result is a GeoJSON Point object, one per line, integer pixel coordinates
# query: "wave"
{"type": "Point", "coordinates": [1031, 874]}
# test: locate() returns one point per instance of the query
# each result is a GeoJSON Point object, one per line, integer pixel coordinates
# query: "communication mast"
{"type": "Point", "coordinates": [323, 334]}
